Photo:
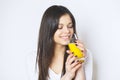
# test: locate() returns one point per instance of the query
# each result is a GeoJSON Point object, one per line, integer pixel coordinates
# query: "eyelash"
{"type": "Point", "coordinates": [60, 27]}
{"type": "Point", "coordinates": [70, 26]}
{"type": "Point", "coordinates": [67, 27]}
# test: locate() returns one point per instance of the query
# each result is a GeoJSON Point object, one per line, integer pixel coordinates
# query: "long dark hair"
{"type": "Point", "coordinates": [45, 48]}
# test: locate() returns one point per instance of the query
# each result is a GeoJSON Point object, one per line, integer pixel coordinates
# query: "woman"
{"type": "Point", "coordinates": [55, 61]}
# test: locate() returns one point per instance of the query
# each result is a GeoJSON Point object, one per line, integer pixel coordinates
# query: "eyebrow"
{"type": "Point", "coordinates": [68, 23]}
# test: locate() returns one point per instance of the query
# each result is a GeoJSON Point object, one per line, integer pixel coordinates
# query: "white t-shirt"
{"type": "Point", "coordinates": [32, 74]}
{"type": "Point", "coordinates": [53, 75]}
{"type": "Point", "coordinates": [88, 69]}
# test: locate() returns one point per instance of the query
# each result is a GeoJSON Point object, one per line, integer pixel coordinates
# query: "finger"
{"type": "Point", "coordinates": [71, 60]}
{"type": "Point", "coordinates": [69, 57]}
{"type": "Point", "coordinates": [81, 48]}
{"type": "Point", "coordinates": [69, 52]}
{"type": "Point", "coordinates": [76, 67]}
{"type": "Point", "coordinates": [78, 41]}
{"type": "Point", "coordinates": [76, 62]}
{"type": "Point", "coordinates": [79, 44]}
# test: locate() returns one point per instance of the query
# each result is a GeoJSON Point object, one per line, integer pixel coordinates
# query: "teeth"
{"type": "Point", "coordinates": [65, 37]}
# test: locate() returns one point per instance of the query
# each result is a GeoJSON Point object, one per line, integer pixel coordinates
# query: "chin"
{"type": "Point", "coordinates": [66, 43]}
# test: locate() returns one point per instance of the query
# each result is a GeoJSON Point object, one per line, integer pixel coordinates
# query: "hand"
{"type": "Point", "coordinates": [71, 65]}
{"type": "Point", "coordinates": [81, 46]}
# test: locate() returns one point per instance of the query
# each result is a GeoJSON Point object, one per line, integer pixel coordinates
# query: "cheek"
{"type": "Point", "coordinates": [56, 35]}
{"type": "Point", "coordinates": [72, 31]}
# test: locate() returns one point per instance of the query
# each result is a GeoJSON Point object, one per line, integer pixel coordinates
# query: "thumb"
{"type": "Point", "coordinates": [69, 52]}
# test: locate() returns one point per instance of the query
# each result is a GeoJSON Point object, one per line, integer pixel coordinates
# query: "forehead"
{"type": "Point", "coordinates": [65, 19]}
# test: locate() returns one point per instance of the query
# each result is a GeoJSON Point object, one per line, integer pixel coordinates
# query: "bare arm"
{"type": "Point", "coordinates": [71, 67]}
{"type": "Point", "coordinates": [80, 74]}
{"type": "Point", "coordinates": [65, 77]}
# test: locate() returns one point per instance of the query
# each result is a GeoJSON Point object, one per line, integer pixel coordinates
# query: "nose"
{"type": "Point", "coordinates": [66, 30]}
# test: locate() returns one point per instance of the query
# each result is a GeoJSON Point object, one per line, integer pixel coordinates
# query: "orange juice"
{"type": "Point", "coordinates": [76, 51]}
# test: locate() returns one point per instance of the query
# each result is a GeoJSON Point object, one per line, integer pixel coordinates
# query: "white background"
{"type": "Point", "coordinates": [98, 26]}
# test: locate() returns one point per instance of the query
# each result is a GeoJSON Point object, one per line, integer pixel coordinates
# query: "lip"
{"type": "Point", "coordinates": [66, 37]}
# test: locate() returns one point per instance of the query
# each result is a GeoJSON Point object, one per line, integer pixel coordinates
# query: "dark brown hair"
{"type": "Point", "coordinates": [45, 48]}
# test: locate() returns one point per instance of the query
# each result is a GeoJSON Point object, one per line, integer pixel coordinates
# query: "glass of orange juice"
{"type": "Point", "coordinates": [75, 50]}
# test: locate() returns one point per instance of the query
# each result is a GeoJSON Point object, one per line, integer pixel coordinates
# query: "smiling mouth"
{"type": "Point", "coordinates": [66, 37]}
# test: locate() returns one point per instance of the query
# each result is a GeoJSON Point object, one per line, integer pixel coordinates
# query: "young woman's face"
{"type": "Point", "coordinates": [65, 30]}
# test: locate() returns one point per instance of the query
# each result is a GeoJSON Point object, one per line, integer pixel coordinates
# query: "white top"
{"type": "Point", "coordinates": [53, 75]}
{"type": "Point", "coordinates": [32, 73]}
{"type": "Point", "coordinates": [88, 69]}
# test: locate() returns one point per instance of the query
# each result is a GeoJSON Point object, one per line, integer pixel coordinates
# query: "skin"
{"type": "Point", "coordinates": [62, 37]}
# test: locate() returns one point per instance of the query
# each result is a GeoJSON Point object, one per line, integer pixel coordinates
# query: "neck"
{"type": "Point", "coordinates": [59, 51]}
{"type": "Point", "coordinates": [57, 61]}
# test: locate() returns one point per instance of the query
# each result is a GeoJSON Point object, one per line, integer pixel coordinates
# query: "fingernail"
{"type": "Point", "coordinates": [78, 61]}
{"type": "Point", "coordinates": [75, 56]}
{"type": "Point", "coordinates": [81, 61]}
{"type": "Point", "coordinates": [73, 61]}
{"type": "Point", "coordinates": [82, 50]}
{"type": "Point", "coordinates": [67, 51]}
{"type": "Point", "coordinates": [76, 44]}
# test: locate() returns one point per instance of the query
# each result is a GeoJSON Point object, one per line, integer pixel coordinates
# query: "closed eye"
{"type": "Point", "coordinates": [70, 25]}
{"type": "Point", "coordinates": [60, 26]}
